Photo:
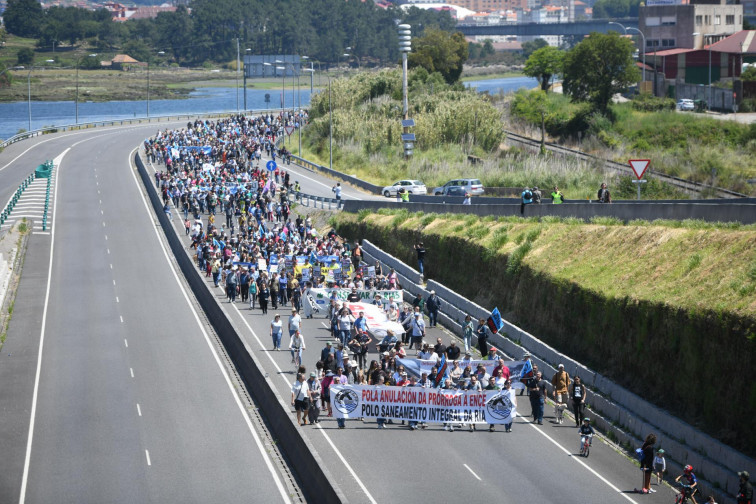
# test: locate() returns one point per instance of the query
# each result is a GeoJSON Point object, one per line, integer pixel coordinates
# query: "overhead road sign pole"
{"type": "Point", "coordinates": [639, 167]}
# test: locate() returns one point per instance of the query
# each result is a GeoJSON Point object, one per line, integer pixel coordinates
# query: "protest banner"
{"type": "Point", "coordinates": [418, 366]}
{"type": "Point", "coordinates": [423, 404]}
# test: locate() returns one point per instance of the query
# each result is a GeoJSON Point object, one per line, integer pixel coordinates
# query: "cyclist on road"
{"type": "Point", "coordinates": [586, 431]}
{"type": "Point", "coordinates": [689, 480]}
{"type": "Point", "coordinates": [296, 345]}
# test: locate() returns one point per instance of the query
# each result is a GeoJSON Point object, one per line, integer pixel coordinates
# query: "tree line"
{"type": "Point", "coordinates": [208, 29]}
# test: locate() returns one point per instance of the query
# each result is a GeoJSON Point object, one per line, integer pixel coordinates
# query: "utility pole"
{"type": "Point", "coordinates": [405, 46]}
{"type": "Point", "coordinates": [238, 64]}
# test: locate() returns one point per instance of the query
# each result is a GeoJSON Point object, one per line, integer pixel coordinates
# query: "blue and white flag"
{"type": "Point", "coordinates": [495, 323]}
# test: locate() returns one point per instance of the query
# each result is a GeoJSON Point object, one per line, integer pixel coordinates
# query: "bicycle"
{"type": "Point", "coordinates": [297, 357]}
{"type": "Point", "coordinates": [585, 445]}
{"type": "Point", "coordinates": [685, 495]}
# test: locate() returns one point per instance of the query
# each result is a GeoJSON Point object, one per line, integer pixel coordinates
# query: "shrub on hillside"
{"type": "Point", "coordinates": [646, 102]}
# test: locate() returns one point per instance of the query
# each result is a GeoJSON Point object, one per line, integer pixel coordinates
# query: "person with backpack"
{"type": "Point", "coordinates": [527, 199]}
{"type": "Point", "coordinates": [604, 196]}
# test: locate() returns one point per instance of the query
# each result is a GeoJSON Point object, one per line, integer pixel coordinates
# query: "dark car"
{"type": "Point", "coordinates": [454, 191]}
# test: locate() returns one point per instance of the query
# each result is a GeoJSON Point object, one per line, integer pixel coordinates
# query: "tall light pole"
{"type": "Point", "coordinates": [624, 30]}
{"type": "Point", "coordinates": [237, 74]}
{"type": "Point", "coordinates": [246, 52]}
{"type": "Point", "coordinates": [405, 46]}
{"type": "Point", "coordinates": [28, 84]}
{"type": "Point", "coordinates": [705, 35]}
{"type": "Point", "coordinates": [78, 61]}
{"type": "Point", "coordinates": [148, 82]}
{"type": "Point", "coordinates": [330, 127]}
{"type": "Point", "coordinates": [643, 49]}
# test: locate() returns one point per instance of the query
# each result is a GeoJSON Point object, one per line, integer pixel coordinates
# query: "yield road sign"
{"type": "Point", "coordinates": [639, 166]}
{"type": "Point", "coordinates": [289, 130]}
{"type": "Point", "coordinates": [271, 165]}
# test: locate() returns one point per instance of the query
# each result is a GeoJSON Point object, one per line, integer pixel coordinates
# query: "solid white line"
{"type": "Point", "coordinates": [131, 370]}
{"type": "Point", "coordinates": [147, 453]}
{"type": "Point", "coordinates": [576, 459]}
{"type": "Point", "coordinates": [35, 395]}
{"type": "Point", "coordinates": [281, 489]}
{"type": "Point", "coordinates": [328, 438]}
{"type": "Point", "coordinates": [472, 472]}
{"type": "Point", "coordinates": [126, 342]}
{"type": "Point", "coordinates": [139, 410]}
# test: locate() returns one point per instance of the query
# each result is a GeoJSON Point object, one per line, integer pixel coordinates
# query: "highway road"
{"type": "Point", "coordinates": [118, 379]}
{"type": "Point", "coordinates": [533, 463]}
{"type": "Point", "coordinates": [112, 389]}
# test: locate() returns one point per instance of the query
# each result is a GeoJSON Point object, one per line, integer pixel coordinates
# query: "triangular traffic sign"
{"type": "Point", "coordinates": [639, 166]}
{"type": "Point", "coordinates": [289, 130]}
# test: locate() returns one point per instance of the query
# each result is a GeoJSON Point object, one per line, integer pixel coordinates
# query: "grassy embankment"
{"type": "Point", "coordinates": [686, 145]}
{"type": "Point", "coordinates": [452, 123]}
{"type": "Point", "coordinates": [666, 309]}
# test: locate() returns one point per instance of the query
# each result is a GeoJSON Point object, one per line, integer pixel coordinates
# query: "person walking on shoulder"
{"type": "Point", "coordinates": [561, 383]}
{"type": "Point", "coordinates": [337, 190]}
{"type": "Point", "coordinates": [604, 196]}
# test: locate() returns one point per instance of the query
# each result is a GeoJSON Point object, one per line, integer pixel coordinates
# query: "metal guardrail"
{"type": "Point", "coordinates": [14, 199]}
{"type": "Point", "coordinates": [121, 122]}
{"type": "Point", "coordinates": [305, 200]}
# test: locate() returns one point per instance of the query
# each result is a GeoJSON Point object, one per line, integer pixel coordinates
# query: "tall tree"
{"type": "Point", "coordinates": [543, 64]}
{"type": "Point", "coordinates": [440, 51]}
{"type": "Point", "coordinates": [23, 17]}
{"type": "Point", "coordinates": [599, 67]}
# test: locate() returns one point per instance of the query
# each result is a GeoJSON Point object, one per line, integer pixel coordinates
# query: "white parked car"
{"type": "Point", "coordinates": [685, 104]}
{"type": "Point", "coordinates": [473, 187]}
{"type": "Point", "coordinates": [411, 186]}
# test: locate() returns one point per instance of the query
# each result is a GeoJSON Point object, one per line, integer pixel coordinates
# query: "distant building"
{"type": "Point", "coordinates": [669, 24]}
{"type": "Point", "coordinates": [124, 62]}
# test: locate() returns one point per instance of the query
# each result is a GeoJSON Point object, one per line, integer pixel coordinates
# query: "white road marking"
{"type": "Point", "coordinates": [114, 283]}
{"type": "Point", "coordinates": [106, 237]}
{"type": "Point", "coordinates": [117, 301]}
{"type": "Point", "coordinates": [131, 370]}
{"type": "Point", "coordinates": [281, 489]}
{"type": "Point", "coordinates": [108, 251]}
{"type": "Point", "coordinates": [98, 191]}
{"type": "Point", "coordinates": [102, 212]}
{"type": "Point", "coordinates": [147, 453]}
{"type": "Point", "coordinates": [121, 319]}
{"type": "Point", "coordinates": [472, 472]}
{"type": "Point", "coordinates": [103, 223]}
{"type": "Point", "coordinates": [100, 202]}
{"type": "Point", "coordinates": [139, 410]}
{"type": "Point", "coordinates": [328, 438]}
{"type": "Point", "coordinates": [35, 395]}
{"type": "Point", "coordinates": [126, 342]}
{"type": "Point", "coordinates": [97, 183]}
{"type": "Point", "coordinates": [41, 232]}
{"type": "Point", "coordinates": [111, 266]}
{"type": "Point", "coordinates": [565, 450]}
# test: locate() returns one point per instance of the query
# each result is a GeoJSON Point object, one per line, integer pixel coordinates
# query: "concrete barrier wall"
{"type": "Point", "coordinates": [745, 213]}
{"type": "Point", "coordinates": [629, 417]}
{"type": "Point", "coordinates": [317, 482]}
{"type": "Point", "coordinates": [407, 272]}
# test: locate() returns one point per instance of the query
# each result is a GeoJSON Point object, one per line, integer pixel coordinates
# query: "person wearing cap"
{"type": "Point", "coordinates": [660, 463]}
{"type": "Point", "coordinates": [427, 353]}
{"type": "Point", "coordinates": [492, 355]}
{"type": "Point", "coordinates": [561, 383]}
{"type": "Point", "coordinates": [418, 330]}
{"type": "Point", "coordinates": [745, 490]}
{"type": "Point", "coordinates": [467, 332]}
{"type": "Point", "coordinates": [328, 349]}
{"type": "Point", "coordinates": [314, 411]}
{"type": "Point", "coordinates": [578, 399]}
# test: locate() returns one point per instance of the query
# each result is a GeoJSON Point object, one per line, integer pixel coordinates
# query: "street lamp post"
{"type": "Point", "coordinates": [624, 30]}
{"type": "Point", "coordinates": [237, 74]}
{"type": "Point", "coordinates": [148, 83]}
{"type": "Point", "coordinates": [330, 127]}
{"type": "Point", "coordinates": [405, 46]}
{"type": "Point", "coordinates": [246, 51]}
{"type": "Point", "coordinates": [78, 61]}
{"type": "Point", "coordinates": [28, 84]}
{"type": "Point", "coordinates": [643, 49]}
{"type": "Point", "coordinates": [705, 35]}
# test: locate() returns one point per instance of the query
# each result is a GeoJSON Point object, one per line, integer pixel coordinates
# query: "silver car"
{"type": "Point", "coordinates": [471, 186]}
{"type": "Point", "coordinates": [411, 186]}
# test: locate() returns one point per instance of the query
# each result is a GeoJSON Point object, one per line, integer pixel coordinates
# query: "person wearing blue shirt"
{"type": "Point", "coordinates": [360, 323]}
{"type": "Point", "coordinates": [527, 199]}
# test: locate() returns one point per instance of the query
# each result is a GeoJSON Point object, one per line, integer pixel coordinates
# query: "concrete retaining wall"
{"type": "Point", "coordinates": [744, 213]}
{"type": "Point", "coordinates": [615, 409]}
{"type": "Point", "coordinates": [317, 482]}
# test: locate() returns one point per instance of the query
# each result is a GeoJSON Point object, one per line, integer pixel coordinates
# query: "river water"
{"type": "Point", "coordinates": [14, 116]}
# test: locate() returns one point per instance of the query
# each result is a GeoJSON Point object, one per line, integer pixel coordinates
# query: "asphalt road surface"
{"type": "Point", "coordinates": [129, 402]}
{"type": "Point", "coordinates": [175, 430]}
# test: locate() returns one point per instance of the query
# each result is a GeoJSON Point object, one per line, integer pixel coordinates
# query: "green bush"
{"type": "Point", "coordinates": [646, 102]}
{"type": "Point", "coordinates": [25, 56]}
